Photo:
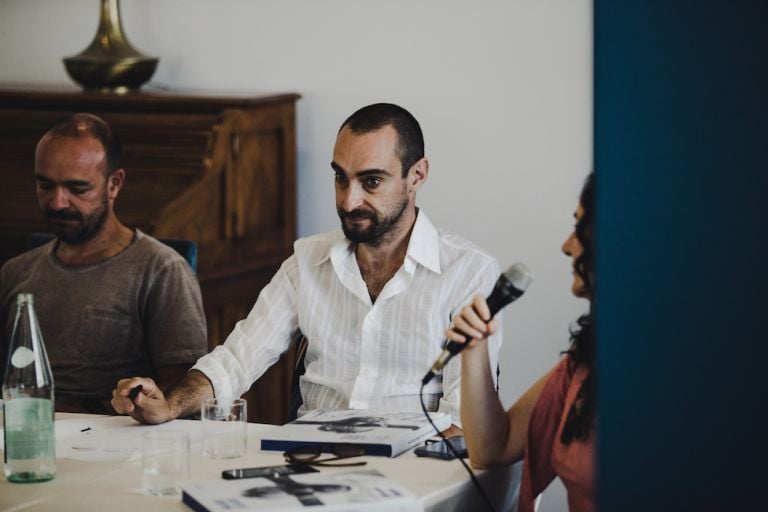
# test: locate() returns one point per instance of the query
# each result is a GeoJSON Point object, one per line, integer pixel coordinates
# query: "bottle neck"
{"type": "Point", "coordinates": [25, 299]}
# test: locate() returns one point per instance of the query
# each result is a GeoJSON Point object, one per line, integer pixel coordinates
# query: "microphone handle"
{"type": "Point", "coordinates": [497, 301]}
{"type": "Point", "coordinates": [500, 297]}
{"type": "Point", "coordinates": [503, 293]}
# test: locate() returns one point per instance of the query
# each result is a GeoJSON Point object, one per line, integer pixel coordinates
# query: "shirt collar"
{"type": "Point", "coordinates": [423, 246]}
{"type": "Point", "coordinates": [341, 249]}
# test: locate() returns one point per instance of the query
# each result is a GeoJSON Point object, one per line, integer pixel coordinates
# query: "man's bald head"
{"type": "Point", "coordinates": [81, 125]}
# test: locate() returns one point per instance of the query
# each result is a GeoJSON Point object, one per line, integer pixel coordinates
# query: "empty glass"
{"type": "Point", "coordinates": [165, 461]}
{"type": "Point", "coordinates": [224, 427]}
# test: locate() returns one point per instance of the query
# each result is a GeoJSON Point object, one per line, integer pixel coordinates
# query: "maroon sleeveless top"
{"type": "Point", "coordinates": [546, 457]}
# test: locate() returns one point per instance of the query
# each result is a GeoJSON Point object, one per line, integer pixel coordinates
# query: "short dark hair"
{"type": "Point", "coordinates": [88, 125]}
{"type": "Point", "coordinates": [410, 146]}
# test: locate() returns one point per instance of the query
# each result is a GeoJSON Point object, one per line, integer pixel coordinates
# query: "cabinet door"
{"type": "Point", "coordinates": [260, 179]}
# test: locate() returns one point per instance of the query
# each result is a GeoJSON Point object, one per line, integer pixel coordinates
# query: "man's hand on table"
{"type": "Point", "coordinates": [149, 406]}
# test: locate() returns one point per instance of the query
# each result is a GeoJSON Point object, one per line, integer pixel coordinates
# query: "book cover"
{"type": "Point", "coordinates": [379, 433]}
{"type": "Point", "coordinates": [349, 491]}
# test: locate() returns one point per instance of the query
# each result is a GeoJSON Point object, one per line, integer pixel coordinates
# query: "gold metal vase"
{"type": "Point", "coordinates": [110, 63]}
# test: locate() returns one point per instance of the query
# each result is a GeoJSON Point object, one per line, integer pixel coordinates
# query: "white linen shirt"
{"type": "Point", "coordinates": [360, 355]}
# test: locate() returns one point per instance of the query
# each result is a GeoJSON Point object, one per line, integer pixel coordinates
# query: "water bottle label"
{"type": "Point", "coordinates": [29, 430]}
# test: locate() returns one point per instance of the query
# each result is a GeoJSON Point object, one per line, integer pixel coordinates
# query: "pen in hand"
{"type": "Point", "coordinates": [134, 392]}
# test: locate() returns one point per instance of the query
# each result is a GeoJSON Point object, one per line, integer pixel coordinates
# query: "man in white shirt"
{"type": "Point", "coordinates": [373, 299]}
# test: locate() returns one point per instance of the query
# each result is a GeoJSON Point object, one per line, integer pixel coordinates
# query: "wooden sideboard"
{"type": "Point", "coordinates": [220, 171]}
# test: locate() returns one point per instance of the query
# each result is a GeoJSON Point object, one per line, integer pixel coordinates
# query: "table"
{"type": "Point", "coordinates": [100, 469]}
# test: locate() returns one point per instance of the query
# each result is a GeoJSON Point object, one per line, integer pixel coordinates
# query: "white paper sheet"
{"type": "Point", "coordinates": [111, 438]}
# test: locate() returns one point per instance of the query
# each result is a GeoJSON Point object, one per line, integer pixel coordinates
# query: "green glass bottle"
{"type": "Point", "coordinates": [28, 401]}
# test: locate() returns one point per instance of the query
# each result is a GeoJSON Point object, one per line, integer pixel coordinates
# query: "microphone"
{"type": "Point", "coordinates": [509, 287]}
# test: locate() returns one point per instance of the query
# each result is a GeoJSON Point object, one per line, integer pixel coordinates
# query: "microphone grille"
{"type": "Point", "coordinates": [519, 275]}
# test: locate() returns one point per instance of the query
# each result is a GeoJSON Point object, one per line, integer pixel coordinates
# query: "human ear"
{"type": "Point", "coordinates": [115, 183]}
{"type": "Point", "coordinates": [419, 173]}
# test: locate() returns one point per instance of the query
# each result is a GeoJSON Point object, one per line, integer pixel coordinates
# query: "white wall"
{"type": "Point", "coordinates": [503, 90]}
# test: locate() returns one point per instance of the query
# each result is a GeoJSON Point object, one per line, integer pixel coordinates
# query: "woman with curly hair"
{"type": "Point", "coordinates": [552, 426]}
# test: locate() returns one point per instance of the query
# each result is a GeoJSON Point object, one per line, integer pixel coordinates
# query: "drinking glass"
{"type": "Point", "coordinates": [165, 461]}
{"type": "Point", "coordinates": [224, 427]}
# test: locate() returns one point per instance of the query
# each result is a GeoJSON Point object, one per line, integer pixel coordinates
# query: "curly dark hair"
{"type": "Point", "coordinates": [580, 420]}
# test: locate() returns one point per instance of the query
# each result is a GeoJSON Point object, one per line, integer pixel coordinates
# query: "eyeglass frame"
{"type": "Point", "coordinates": [318, 450]}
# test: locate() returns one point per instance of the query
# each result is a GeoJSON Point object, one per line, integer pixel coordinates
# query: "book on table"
{"type": "Point", "coordinates": [379, 433]}
{"type": "Point", "coordinates": [345, 491]}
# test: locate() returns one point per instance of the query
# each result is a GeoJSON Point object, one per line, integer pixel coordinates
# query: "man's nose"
{"type": "Point", "coordinates": [59, 199]}
{"type": "Point", "coordinates": [352, 198]}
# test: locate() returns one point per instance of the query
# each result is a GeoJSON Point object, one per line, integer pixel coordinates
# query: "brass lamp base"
{"type": "Point", "coordinates": [118, 76]}
{"type": "Point", "coordinates": [110, 63]}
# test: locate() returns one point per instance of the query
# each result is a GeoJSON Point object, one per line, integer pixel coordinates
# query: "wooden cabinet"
{"type": "Point", "coordinates": [216, 170]}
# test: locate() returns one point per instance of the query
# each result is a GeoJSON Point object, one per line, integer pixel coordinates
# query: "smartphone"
{"type": "Point", "coordinates": [439, 450]}
{"type": "Point", "coordinates": [267, 471]}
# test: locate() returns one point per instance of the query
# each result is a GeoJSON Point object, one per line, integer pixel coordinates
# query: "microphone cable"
{"type": "Point", "coordinates": [451, 449]}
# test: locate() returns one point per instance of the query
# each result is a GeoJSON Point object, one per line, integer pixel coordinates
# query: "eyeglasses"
{"type": "Point", "coordinates": [310, 454]}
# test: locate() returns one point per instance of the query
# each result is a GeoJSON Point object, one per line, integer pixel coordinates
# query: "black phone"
{"type": "Point", "coordinates": [439, 450]}
{"type": "Point", "coordinates": [267, 471]}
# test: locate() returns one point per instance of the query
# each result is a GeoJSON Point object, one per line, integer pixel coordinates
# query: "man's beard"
{"type": "Point", "coordinates": [84, 230]}
{"type": "Point", "coordinates": [378, 229]}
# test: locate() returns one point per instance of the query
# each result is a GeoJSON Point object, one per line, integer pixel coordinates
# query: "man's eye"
{"type": "Point", "coordinates": [372, 182]}
{"type": "Point", "coordinates": [79, 191]}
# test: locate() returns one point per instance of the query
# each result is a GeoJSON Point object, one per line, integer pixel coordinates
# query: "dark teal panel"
{"type": "Point", "coordinates": [681, 153]}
